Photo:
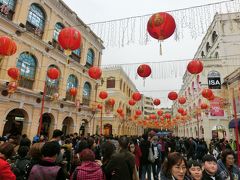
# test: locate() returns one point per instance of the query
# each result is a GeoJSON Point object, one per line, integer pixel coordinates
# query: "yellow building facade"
{"type": "Point", "coordinates": [119, 87]}
{"type": "Point", "coordinates": [34, 26]}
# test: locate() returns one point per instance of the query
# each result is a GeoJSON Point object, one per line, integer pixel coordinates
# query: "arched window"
{"type": "Point", "coordinates": [52, 85]}
{"type": "Point", "coordinates": [86, 93]}
{"type": "Point", "coordinates": [90, 58]}
{"type": "Point", "coordinates": [76, 54]}
{"type": "Point", "coordinates": [208, 46]}
{"type": "Point", "coordinates": [72, 82]}
{"type": "Point", "coordinates": [36, 20]}
{"type": "Point", "coordinates": [7, 8]}
{"type": "Point", "coordinates": [27, 65]}
{"type": "Point", "coordinates": [214, 36]}
{"type": "Point", "coordinates": [58, 27]}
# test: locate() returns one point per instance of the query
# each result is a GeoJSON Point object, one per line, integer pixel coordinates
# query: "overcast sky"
{"type": "Point", "coordinates": [101, 10]}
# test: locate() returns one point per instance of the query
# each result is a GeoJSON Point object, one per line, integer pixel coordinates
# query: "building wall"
{"type": "Point", "coordinates": [46, 54]}
{"type": "Point", "coordinates": [122, 93]}
{"type": "Point", "coordinates": [218, 53]}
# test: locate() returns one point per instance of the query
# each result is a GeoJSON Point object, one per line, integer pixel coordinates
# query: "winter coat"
{"type": "Point", "coordinates": [163, 177]}
{"type": "Point", "coordinates": [19, 167]}
{"type": "Point", "coordinates": [144, 146]}
{"type": "Point", "coordinates": [88, 171]}
{"type": "Point", "coordinates": [206, 176]}
{"type": "Point", "coordinates": [224, 173]}
{"type": "Point", "coordinates": [5, 171]}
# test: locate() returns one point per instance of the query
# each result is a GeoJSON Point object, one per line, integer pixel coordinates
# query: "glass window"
{"type": "Point", "coordinates": [86, 94]}
{"type": "Point", "coordinates": [10, 3]}
{"type": "Point", "coordinates": [57, 29]}
{"type": "Point", "coordinates": [90, 57]}
{"type": "Point", "coordinates": [77, 52]}
{"type": "Point", "coordinates": [36, 16]}
{"type": "Point", "coordinates": [111, 82]}
{"type": "Point", "coordinates": [52, 85]}
{"type": "Point", "coordinates": [72, 81]}
{"type": "Point", "coordinates": [27, 65]}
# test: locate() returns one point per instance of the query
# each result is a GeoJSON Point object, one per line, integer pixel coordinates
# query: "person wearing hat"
{"type": "Point", "coordinates": [210, 168]}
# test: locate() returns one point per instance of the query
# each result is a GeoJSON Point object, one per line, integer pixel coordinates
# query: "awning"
{"type": "Point", "coordinates": [232, 123]}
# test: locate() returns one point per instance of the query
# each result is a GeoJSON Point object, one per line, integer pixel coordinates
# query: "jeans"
{"type": "Point", "coordinates": [156, 166]}
{"type": "Point", "coordinates": [146, 168]}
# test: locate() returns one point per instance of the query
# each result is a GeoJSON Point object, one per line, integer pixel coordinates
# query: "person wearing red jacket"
{"type": "Point", "coordinates": [6, 151]}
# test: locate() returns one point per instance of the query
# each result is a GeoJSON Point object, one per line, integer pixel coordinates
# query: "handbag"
{"type": "Point", "coordinates": [150, 155]}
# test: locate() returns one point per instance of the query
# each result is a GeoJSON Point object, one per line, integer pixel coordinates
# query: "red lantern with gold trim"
{"type": "Point", "coordinates": [53, 73]}
{"type": "Point", "coordinates": [95, 72]}
{"type": "Point", "coordinates": [136, 96]}
{"type": "Point", "coordinates": [159, 112]}
{"type": "Point", "coordinates": [195, 67]}
{"type": "Point", "coordinates": [119, 110]}
{"type": "Point", "coordinates": [103, 94]}
{"type": "Point", "coordinates": [73, 91]}
{"type": "Point", "coordinates": [182, 100]}
{"type": "Point", "coordinates": [207, 93]}
{"type": "Point", "coordinates": [138, 112]}
{"type": "Point", "coordinates": [156, 102]}
{"type": "Point", "coordinates": [131, 102]}
{"type": "Point", "coordinates": [111, 101]}
{"type": "Point", "coordinates": [161, 25]}
{"type": "Point", "coordinates": [172, 95]}
{"type": "Point", "coordinates": [144, 70]}
{"type": "Point", "coordinates": [14, 73]}
{"type": "Point", "coordinates": [70, 39]}
{"type": "Point", "coordinates": [204, 106]}
{"type": "Point", "coordinates": [7, 46]}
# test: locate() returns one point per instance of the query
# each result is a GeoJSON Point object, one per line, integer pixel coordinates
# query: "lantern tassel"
{"type": "Point", "coordinates": [160, 48]}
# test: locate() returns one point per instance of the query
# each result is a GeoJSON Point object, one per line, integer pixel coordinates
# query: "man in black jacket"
{"type": "Point", "coordinates": [145, 164]}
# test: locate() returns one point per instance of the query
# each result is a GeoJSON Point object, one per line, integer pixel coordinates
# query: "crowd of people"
{"type": "Point", "coordinates": [148, 157]}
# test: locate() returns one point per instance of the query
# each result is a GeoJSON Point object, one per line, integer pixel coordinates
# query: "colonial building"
{"type": "Point", "coordinates": [120, 88]}
{"type": "Point", "coordinates": [147, 106]}
{"type": "Point", "coordinates": [219, 53]}
{"type": "Point", "coordinates": [231, 87]}
{"type": "Point", "coordinates": [34, 26]}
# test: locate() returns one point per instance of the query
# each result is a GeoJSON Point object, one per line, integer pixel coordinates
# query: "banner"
{"type": "Point", "coordinates": [215, 107]}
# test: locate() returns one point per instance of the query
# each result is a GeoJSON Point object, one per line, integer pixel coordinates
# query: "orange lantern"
{"type": "Point", "coordinates": [53, 73]}
{"type": "Point", "coordinates": [136, 96]}
{"type": "Point", "coordinates": [207, 93]}
{"type": "Point", "coordinates": [159, 112]}
{"type": "Point", "coordinates": [182, 100]}
{"type": "Point", "coordinates": [119, 110]}
{"type": "Point", "coordinates": [103, 94]}
{"type": "Point", "coordinates": [111, 101]}
{"type": "Point", "coordinates": [204, 106]}
{"type": "Point", "coordinates": [14, 73]}
{"type": "Point", "coordinates": [99, 106]}
{"type": "Point", "coordinates": [131, 102]}
{"type": "Point", "coordinates": [138, 112]}
{"type": "Point", "coordinates": [73, 91]}
{"type": "Point", "coordinates": [7, 46]}
{"type": "Point", "coordinates": [95, 72]}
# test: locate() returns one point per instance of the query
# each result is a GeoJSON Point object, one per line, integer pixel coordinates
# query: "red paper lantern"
{"type": "Point", "coordinates": [14, 73]}
{"type": "Point", "coordinates": [7, 46]}
{"type": "Point", "coordinates": [180, 110]}
{"type": "Point", "coordinates": [207, 93]}
{"type": "Point", "coordinates": [103, 94]}
{"type": "Point", "coordinates": [167, 116]}
{"type": "Point", "coordinates": [211, 98]}
{"type": "Point", "coordinates": [144, 70]}
{"type": "Point", "coordinates": [178, 117]}
{"type": "Point", "coordinates": [182, 100]}
{"type": "Point", "coordinates": [172, 95]}
{"type": "Point", "coordinates": [204, 106]}
{"type": "Point", "coordinates": [136, 96]}
{"type": "Point", "coordinates": [131, 102]}
{"type": "Point", "coordinates": [184, 113]}
{"type": "Point", "coordinates": [159, 112]}
{"type": "Point", "coordinates": [99, 106]}
{"type": "Point", "coordinates": [73, 91]}
{"type": "Point", "coordinates": [138, 112]}
{"type": "Point", "coordinates": [195, 67]}
{"type": "Point", "coordinates": [53, 73]}
{"type": "Point", "coordinates": [70, 39]}
{"type": "Point", "coordinates": [162, 118]}
{"type": "Point", "coordinates": [153, 116]}
{"type": "Point", "coordinates": [161, 25]}
{"type": "Point", "coordinates": [111, 102]}
{"type": "Point", "coordinates": [156, 102]}
{"type": "Point", "coordinates": [119, 110]}
{"type": "Point", "coordinates": [95, 72]}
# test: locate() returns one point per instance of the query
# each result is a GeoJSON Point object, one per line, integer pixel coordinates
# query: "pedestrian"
{"type": "Point", "coordinates": [156, 150]}
{"type": "Point", "coordinates": [47, 168]}
{"type": "Point", "coordinates": [210, 168]}
{"type": "Point", "coordinates": [226, 167]}
{"type": "Point", "coordinates": [174, 167]}
{"type": "Point", "coordinates": [89, 169]}
{"type": "Point", "coordinates": [6, 152]}
{"type": "Point", "coordinates": [195, 170]}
